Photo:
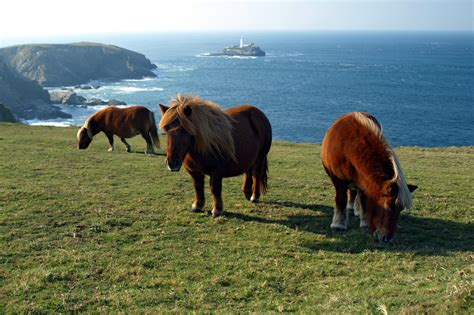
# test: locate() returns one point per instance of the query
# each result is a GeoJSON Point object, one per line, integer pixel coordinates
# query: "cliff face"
{"type": "Point", "coordinates": [71, 64]}
{"type": "Point", "coordinates": [6, 114]}
{"type": "Point", "coordinates": [25, 98]}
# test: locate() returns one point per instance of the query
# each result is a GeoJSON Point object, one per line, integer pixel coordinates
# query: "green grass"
{"type": "Point", "coordinates": [94, 231]}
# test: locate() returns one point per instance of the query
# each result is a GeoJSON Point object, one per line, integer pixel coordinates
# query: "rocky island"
{"type": "Point", "coordinates": [26, 69]}
{"type": "Point", "coordinates": [244, 50]}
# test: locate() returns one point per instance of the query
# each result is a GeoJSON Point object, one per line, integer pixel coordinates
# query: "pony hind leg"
{"type": "Point", "coordinates": [360, 210]}
{"type": "Point", "coordinates": [350, 202]}
{"type": "Point", "coordinates": [247, 185]}
{"type": "Point", "coordinates": [127, 145]}
{"type": "Point", "coordinates": [110, 136]}
{"type": "Point", "coordinates": [341, 217]}
{"type": "Point", "coordinates": [259, 176]}
{"type": "Point", "coordinates": [149, 143]}
{"type": "Point", "coordinates": [255, 198]}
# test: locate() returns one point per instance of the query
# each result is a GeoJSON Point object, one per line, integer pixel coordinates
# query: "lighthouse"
{"type": "Point", "coordinates": [241, 42]}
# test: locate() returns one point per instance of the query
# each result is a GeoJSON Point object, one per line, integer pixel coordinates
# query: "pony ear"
{"type": "Point", "coordinates": [163, 109]}
{"type": "Point", "coordinates": [390, 189]}
{"type": "Point", "coordinates": [188, 111]}
{"type": "Point", "coordinates": [412, 188]}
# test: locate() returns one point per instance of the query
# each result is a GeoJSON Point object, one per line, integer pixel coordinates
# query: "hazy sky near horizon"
{"type": "Point", "coordinates": [32, 18]}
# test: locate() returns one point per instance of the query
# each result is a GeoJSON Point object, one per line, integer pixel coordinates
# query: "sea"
{"type": "Point", "coordinates": [419, 85]}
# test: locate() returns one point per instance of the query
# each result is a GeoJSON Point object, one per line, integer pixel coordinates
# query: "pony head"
{"type": "Point", "coordinates": [84, 136]}
{"type": "Point", "coordinates": [383, 212]}
{"type": "Point", "coordinates": [190, 122]}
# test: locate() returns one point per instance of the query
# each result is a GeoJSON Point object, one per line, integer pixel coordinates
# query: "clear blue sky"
{"type": "Point", "coordinates": [66, 17]}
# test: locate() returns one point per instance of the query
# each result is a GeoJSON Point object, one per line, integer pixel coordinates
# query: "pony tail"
{"type": "Point", "coordinates": [264, 173]}
{"type": "Point", "coordinates": [153, 130]}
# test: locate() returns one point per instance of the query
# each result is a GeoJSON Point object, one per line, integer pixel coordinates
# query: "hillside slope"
{"type": "Point", "coordinates": [93, 231]}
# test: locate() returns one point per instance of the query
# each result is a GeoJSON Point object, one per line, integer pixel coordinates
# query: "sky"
{"type": "Point", "coordinates": [31, 18]}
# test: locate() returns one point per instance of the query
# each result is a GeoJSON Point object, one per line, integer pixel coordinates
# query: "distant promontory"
{"type": "Point", "coordinates": [26, 69]}
{"type": "Point", "coordinates": [77, 63]}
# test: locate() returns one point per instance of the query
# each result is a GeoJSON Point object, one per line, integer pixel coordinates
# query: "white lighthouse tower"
{"type": "Point", "coordinates": [241, 42]}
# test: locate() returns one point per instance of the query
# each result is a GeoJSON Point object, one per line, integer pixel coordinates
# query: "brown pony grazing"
{"type": "Point", "coordinates": [123, 122]}
{"type": "Point", "coordinates": [358, 158]}
{"type": "Point", "coordinates": [210, 141]}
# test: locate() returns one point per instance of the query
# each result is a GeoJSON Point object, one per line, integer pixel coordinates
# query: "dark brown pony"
{"type": "Point", "coordinates": [358, 158]}
{"type": "Point", "coordinates": [210, 141]}
{"type": "Point", "coordinates": [123, 122]}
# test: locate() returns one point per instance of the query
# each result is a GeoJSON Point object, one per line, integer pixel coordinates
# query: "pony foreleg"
{"type": "Point", "coordinates": [216, 189]}
{"type": "Point", "coordinates": [111, 142]}
{"type": "Point", "coordinates": [340, 218]}
{"type": "Point", "coordinates": [127, 145]}
{"type": "Point", "coordinates": [199, 198]}
{"type": "Point", "coordinates": [247, 185]}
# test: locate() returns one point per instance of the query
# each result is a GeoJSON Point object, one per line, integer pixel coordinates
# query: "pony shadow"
{"type": "Point", "coordinates": [142, 152]}
{"type": "Point", "coordinates": [291, 204]}
{"type": "Point", "coordinates": [415, 235]}
{"type": "Point", "coordinates": [317, 223]}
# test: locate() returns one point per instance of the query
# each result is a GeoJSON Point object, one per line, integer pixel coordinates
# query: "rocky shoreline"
{"type": "Point", "coordinates": [70, 97]}
{"type": "Point", "coordinates": [26, 69]}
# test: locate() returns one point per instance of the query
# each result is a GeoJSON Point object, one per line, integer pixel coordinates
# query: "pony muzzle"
{"type": "Point", "coordinates": [173, 165]}
{"type": "Point", "coordinates": [381, 238]}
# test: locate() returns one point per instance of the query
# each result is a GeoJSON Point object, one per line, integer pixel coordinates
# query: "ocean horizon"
{"type": "Point", "coordinates": [419, 85]}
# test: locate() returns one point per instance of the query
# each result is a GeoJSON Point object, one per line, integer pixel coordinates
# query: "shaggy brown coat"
{"type": "Point", "coordinates": [123, 122]}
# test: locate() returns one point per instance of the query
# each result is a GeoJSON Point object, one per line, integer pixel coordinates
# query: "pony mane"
{"type": "Point", "coordinates": [404, 196]}
{"type": "Point", "coordinates": [208, 123]}
{"type": "Point", "coordinates": [85, 126]}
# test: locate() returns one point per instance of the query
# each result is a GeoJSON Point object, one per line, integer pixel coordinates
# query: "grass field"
{"type": "Point", "coordinates": [94, 231]}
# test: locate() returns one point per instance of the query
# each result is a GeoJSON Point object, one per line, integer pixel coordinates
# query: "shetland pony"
{"type": "Point", "coordinates": [210, 141]}
{"type": "Point", "coordinates": [123, 122]}
{"type": "Point", "coordinates": [358, 158]}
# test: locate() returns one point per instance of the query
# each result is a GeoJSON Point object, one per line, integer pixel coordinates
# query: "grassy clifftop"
{"type": "Point", "coordinates": [112, 232]}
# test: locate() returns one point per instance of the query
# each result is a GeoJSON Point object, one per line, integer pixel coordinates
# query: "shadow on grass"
{"type": "Point", "coordinates": [143, 152]}
{"type": "Point", "coordinates": [420, 236]}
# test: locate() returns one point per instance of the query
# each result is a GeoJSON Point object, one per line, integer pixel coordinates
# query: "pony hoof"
{"type": "Point", "coordinates": [216, 213]}
{"type": "Point", "coordinates": [196, 210]}
{"type": "Point", "coordinates": [338, 227]}
{"type": "Point", "coordinates": [254, 199]}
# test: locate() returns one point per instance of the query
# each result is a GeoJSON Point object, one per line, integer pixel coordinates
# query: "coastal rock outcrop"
{"type": "Point", "coordinates": [77, 63]}
{"type": "Point", "coordinates": [69, 97]}
{"type": "Point", "coordinates": [25, 98]}
{"type": "Point", "coordinates": [66, 97]}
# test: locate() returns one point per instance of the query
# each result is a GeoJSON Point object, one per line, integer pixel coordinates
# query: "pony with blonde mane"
{"type": "Point", "coordinates": [123, 122]}
{"type": "Point", "coordinates": [360, 161]}
{"type": "Point", "coordinates": [210, 141]}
